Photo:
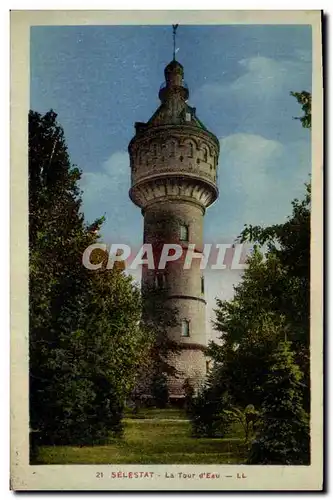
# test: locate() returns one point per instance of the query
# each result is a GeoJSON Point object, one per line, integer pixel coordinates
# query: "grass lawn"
{"type": "Point", "coordinates": [157, 413]}
{"type": "Point", "coordinates": [159, 440]}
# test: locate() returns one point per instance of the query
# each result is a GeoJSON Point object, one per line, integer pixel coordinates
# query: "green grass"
{"type": "Point", "coordinates": [156, 413]}
{"type": "Point", "coordinates": [150, 442]}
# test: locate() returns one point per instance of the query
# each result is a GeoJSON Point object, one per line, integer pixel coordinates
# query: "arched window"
{"type": "Point", "coordinates": [205, 154]}
{"type": "Point", "coordinates": [140, 155]}
{"type": "Point", "coordinates": [185, 328]}
{"type": "Point", "coordinates": [172, 149]}
{"type": "Point", "coordinates": [214, 161]}
{"type": "Point", "coordinates": [190, 150]}
{"type": "Point", "coordinates": [183, 236]}
{"type": "Point", "coordinates": [155, 152]}
{"type": "Point", "coordinates": [163, 151]}
{"type": "Point", "coordinates": [202, 285]}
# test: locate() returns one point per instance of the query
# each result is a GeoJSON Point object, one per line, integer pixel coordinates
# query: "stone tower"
{"type": "Point", "coordinates": [174, 162]}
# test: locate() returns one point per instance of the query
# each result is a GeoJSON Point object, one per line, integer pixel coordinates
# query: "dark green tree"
{"type": "Point", "coordinates": [85, 340]}
{"type": "Point", "coordinates": [276, 285]}
{"type": "Point", "coordinates": [304, 98]}
{"type": "Point", "coordinates": [57, 239]}
{"type": "Point", "coordinates": [207, 409]}
{"type": "Point", "coordinates": [271, 304]}
{"type": "Point", "coordinates": [244, 364]}
{"type": "Point", "coordinates": [159, 388]}
{"type": "Point", "coordinates": [283, 438]}
{"type": "Point", "coordinates": [289, 245]}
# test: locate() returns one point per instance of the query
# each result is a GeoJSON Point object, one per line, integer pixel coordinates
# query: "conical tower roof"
{"type": "Point", "coordinates": [174, 109]}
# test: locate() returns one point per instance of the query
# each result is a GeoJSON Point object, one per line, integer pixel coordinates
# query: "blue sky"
{"type": "Point", "coordinates": [102, 79]}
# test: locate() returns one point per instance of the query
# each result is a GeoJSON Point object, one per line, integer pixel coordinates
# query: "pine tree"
{"type": "Point", "coordinates": [207, 409]}
{"type": "Point", "coordinates": [283, 438]}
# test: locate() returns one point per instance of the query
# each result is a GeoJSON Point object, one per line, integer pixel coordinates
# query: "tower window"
{"type": "Point", "coordinates": [160, 281]}
{"type": "Point", "coordinates": [207, 366]}
{"type": "Point", "coordinates": [188, 117]}
{"type": "Point", "coordinates": [184, 232]}
{"type": "Point", "coordinates": [190, 152]}
{"type": "Point", "coordinates": [140, 157]}
{"type": "Point", "coordinates": [202, 285]}
{"type": "Point", "coordinates": [185, 328]}
{"type": "Point", "coordinates": [205, 155]}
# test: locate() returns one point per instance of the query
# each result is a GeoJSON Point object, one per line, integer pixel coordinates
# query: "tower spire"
{"type": "Point", "coordinates": [174, 29]}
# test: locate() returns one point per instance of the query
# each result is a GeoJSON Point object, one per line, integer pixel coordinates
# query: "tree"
{"type": "Point", "coordinates": [189, 392]}
{"type": "Point", "coordinates": [243, 366]}
{"type": "Point", "coordinates": [289, 245]}
{"type": "Point", "coordinates": [283, 438]}
{"type": "Point", "coordinates": [159, 388]}
{"type": "Point", "coordinates": [271, 304]}
{"type": "Point", "coordinates": [305, 99]}
{"type": "Point", "coordinates": [246, 417]}
{"type": "Point", "coordinates": [289, 293]}
{"type": "Point", "coordinates": [85, 340]}
{"type": "Point", "coordinates": [207, 409]}
{"type": "Point", "coordinates": [57, 236]}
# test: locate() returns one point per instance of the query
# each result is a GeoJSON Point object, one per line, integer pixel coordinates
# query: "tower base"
{"type": "Point", "coordinates": [191, 368]}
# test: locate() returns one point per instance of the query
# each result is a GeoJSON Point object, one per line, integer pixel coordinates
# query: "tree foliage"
{"type": "Point", "coordinates": [288, 264]}
{"type": "Point", "coordinates": [266, 321]}
{"type": "Point", "coordinates": [206, 409]}
{"type": "Point", "coordinates": [283, 438]}
{"type": "Point", "coordinates": [246, 417]}
{"type": "Point", "coordinates": [270, 306]}
{"type": "Point", "coordinates": [85, 340]}
{"type": "Point", "coordinates": [304, 98]}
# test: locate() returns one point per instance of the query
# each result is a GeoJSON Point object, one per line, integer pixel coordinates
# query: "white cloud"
{"type": "Point", "coordinates": [106, 192]}
{"type": "Point", "coordinates": [247, 161]}
{"type": "Point", "coordinates": [265, 154]}
{"type": "Point", "coordinates": [266, 77]}
{"type": "Point", "coordinates": [263, 78]}
{"type": "Point", "coordinates": [258, 101]}
{"type": "Point", "coordinates": [258, 179]}
{"type": "Point", "coordinates": [113, 178]}
{"type": "Point", "coordinates": [218, 284]}
{"type": "Point", "coordinates": [304, 55]}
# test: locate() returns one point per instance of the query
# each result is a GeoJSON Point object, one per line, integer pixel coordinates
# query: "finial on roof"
{"type": "Point", "coordinates": [174, 29]}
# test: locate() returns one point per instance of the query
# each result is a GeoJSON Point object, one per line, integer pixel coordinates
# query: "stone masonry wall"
{"type": "Point", "coordinates": [191, 365]}
{"type": "Point", "coordinates": [175, 153]}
